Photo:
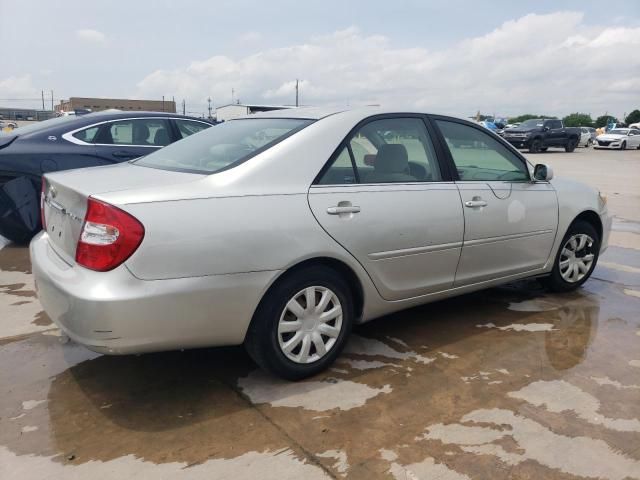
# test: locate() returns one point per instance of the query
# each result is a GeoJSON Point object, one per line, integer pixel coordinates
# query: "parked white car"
{"type": "Point", "coordinates": [619, 139]}
{"type": "Point", "coordinates": [585, 137]}
{"type": "Point", "coordinates": [282, 230]}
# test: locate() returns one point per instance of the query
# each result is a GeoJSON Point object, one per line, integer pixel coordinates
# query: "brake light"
{"type": "Point", "coordinates": [42, 195]}
{"type": "Point", "coordinates": [109, 236]}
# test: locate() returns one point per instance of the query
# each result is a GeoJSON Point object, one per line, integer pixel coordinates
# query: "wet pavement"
{"type": "Point", "coordinates": [511, 382]}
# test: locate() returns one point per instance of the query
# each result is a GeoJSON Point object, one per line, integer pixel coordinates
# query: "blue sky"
{"type": "Point", "coordinates": [456, 56]}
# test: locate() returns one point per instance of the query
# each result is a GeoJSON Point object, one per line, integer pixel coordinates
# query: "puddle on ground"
{"type": "Point", "coordinates": [545, 389]}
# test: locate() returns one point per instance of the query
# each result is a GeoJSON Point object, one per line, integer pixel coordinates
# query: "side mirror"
{"type": "Point", "coordinates": [542, 172]}
{"type": "Point", "coordinates": [545, 129]}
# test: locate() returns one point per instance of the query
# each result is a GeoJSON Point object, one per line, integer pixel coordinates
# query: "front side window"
{"type": "Point", "coordinates": [480, 157]}
{"type": "Point", "coordinates": [189, 127]}
{"type": "Point", "coordinates": [152, 132]}
{"type": "Point", "coordinates": [224, 146]}
{"type": "Point", "coordinates": [392, 150]}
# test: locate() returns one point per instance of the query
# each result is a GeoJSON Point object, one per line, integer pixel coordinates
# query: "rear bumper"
{"type": "Point", "coordinates": [117, 313]}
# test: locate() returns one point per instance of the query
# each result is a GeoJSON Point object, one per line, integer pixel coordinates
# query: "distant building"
{"type": "Point", "coordinates": [9, 113]}
{"type": "Point", "coordinates": [235, 110]}
{"type": "Point", "coordinates": [98, 104]}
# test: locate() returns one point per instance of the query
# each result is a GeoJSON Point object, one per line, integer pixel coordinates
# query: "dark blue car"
{"type": "Point", "coordinates": [62, 143]}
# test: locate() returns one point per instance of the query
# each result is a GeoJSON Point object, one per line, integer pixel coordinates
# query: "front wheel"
{"type": "Point", "coordinates": [302, 323]}
{"type": "Point", "coordinates": [576, 258]}
{"type": "Point", "coordinates": [536, 146]}
{"type": "Point", "coordinates": [623, 145]}
{"type": "Point", "coordinates": [571, 145]}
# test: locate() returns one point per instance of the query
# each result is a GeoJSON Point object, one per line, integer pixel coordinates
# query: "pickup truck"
{"type": "Point", "coordinates": [539, 134]}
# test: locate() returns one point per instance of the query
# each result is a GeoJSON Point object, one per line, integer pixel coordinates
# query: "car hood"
{"type": "Point", "coordinates": [610, 136]}
{"type": "Point", "coordinates": [520, 130]}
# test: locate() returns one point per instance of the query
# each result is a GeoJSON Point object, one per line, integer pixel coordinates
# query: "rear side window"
{"type": "Point", "coordinates": [224, 145]}
{"type": "Point", "coordinates": [189, 127]}
{"type": "Point", "coordinates": [391, 150]}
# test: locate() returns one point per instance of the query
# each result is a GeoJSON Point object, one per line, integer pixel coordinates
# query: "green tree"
{"type": "Point", "coordinates": [578, 120]}
{"type": "Point", "coordinates": [527, 116]}
{"type": "Point", "coordinates": [633, 117]}
{"type": "Point", "coordinates": [603, 120]}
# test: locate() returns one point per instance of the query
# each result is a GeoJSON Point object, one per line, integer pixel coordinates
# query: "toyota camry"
{"type": "Point", "coordinates": [282, 230]}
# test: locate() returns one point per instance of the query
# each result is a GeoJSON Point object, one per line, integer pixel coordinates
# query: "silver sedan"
{"type": "Point", "coordinates": [281, 231]}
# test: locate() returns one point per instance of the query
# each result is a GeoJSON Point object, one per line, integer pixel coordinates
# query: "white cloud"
{"type": "Point", "coordinates": [18, 87]}
{"type": "Point", "coordinates": [92, 36]}
{"type": "Point", "coordinates": [550, 63]}
{"type": "Point", "coordinates": [250, 37]}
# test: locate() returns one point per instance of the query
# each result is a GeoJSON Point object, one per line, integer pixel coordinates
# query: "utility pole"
{"type": "Point", "coordinates": [173, 99]}
{"type": "Point", "coordinates": [163, 103]}
{"type": "Point", "coordinates": [52, 100]}
{"type": "Point", "coordinates": [209, 101]}
{"type": "Point", "coordinates": [42, 92]}
{"type": "Point", "coordinates": [232, 92]}
{"type": "Point", "coordinates": [297, 92]}
{"type": "Point", "coordinates": [184, 107]}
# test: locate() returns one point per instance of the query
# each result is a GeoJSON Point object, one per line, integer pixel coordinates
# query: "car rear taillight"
{"type": "Point", "coordinates": [42, 196]}
{"type": "Point", "coordinates": [109, 236]}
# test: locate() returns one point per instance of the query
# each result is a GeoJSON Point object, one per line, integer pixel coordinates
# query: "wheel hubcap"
{"type": "Point", "coordinates": [310, 324]}
{"type": "Point", "coordinates": [576, 258]}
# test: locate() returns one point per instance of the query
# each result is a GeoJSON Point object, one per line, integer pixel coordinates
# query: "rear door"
{"type": "Point", "coordinates": [384, 197]}
{"type": "Point", "coordinates": [510, 221]}
{"type": "Point", "coordinates": [556, 135]}
{"type": "Point", "coordinates": [126, 139]}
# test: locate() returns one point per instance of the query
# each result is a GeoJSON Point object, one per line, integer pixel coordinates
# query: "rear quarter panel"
{"type": "Point", "coordinates": [223, 235]}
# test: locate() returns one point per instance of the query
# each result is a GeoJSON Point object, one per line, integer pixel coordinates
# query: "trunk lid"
{"type": "Point", "coordinates": [66, 193]}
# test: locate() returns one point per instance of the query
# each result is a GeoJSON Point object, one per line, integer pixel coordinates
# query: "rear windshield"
{"type": "Point", "coordinates": [37, 126]}
{"type": "Point", "coordinates": [223, 146]}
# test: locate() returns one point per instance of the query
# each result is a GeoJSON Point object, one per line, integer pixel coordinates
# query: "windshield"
{"type": "Point", "coordinates": [619, 131]}
{"type": "Point", "coordinates": [223, 146]}
{"type": "Point", "coordinates": [37, 126]}
{"type": "Point", "coordinates": [534, 123]}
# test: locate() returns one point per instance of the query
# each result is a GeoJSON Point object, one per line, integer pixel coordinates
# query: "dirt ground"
{"type": "Point", "coordinates": [507, 383]}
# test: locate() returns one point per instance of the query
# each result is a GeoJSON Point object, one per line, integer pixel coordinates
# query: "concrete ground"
{"type": "Point", "coordinates": [507, 383]}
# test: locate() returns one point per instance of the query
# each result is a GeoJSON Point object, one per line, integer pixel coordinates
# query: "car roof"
{"type": "Point", "coordinates": [317, 113]}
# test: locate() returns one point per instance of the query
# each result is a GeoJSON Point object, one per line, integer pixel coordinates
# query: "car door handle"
{"type": "Point", "coordinates": [124, 154]}
{"type": "Point", "coordinates": [339, 210]}
{"type": "Point", "coordinates": [475, 203]}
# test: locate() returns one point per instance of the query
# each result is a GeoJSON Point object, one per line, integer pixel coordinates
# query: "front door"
{"type": "Point", "coordinates": [510, 221]}
{"type": "Point", "coordinates": [384, 198]}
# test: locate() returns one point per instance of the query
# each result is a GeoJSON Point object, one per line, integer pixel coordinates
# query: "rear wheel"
{"type": "Point", "coordinates": [576, 258]}
{"type": "Point", "coordinates": [544, 149]}
{"type": "Point", "coordinates": [571, 145]}
{"type": "Point", "coordinates": [302, 323]}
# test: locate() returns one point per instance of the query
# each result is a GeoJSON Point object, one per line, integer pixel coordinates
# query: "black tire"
{"type": "Point", "coordinates": [623, 145]}
{"type": "Point", "coordinates": [571, 145]}
{"type": "Point", "coordinates": [262, 341]}
{"type": "Point", "coordinates": [555, 282]}
{"type": "Point", "coordinates": [544, 149]}
{"type": "Point", "coordinates": [535, 146]}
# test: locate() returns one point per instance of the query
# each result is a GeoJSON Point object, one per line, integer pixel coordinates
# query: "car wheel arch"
{"type": "Point", "coordinates": [590, 217]}
{"type": "Point", "coordinates": [339, 266]}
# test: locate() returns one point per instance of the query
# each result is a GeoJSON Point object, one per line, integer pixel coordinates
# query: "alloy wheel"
{"type": "Point", "coordinates": [576, 258]}
{"type": "Point", "coordinates": [310, 324]}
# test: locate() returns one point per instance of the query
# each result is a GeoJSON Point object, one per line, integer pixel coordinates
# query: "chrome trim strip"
{"type": "Point", "coordinates": [68, 136]}
{"type": "Point", "coordinates": [482, 241]}
{"type": "Point", "coordinates": [414, 251]}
